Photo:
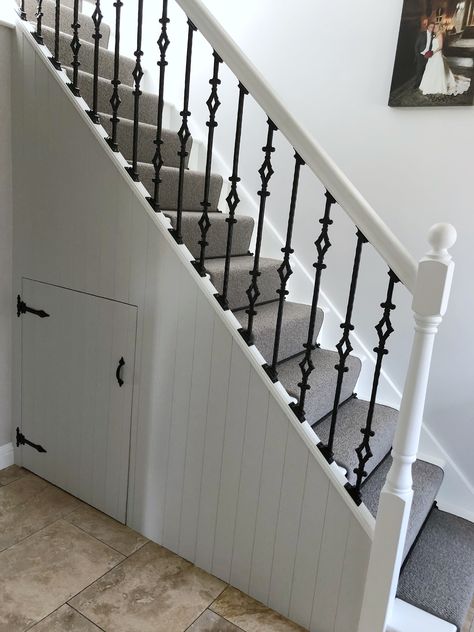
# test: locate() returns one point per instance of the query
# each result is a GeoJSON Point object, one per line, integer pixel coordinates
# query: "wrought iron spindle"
{"type": "Point", "coordinates": [137, 76]}
{"type": "Point", "coordinates": [163, 43]}
{"type": "Point", "coordinates": [115, 100]}
{"type": "Point", "coordinates": [213, 104]}
{"type": "Point", "coordinates": [21, 11]}
{"type": "Point", "coordinates": [306, 365]}
{"type": "Point", "coordinates": [97, 17]}
{"type": "Point", "coordinates": [233, 198]}
{"type": "Point", "coordinates": [75, 47]}
{"type": "Point", "coordinates": [57, 15]}
{"type": "Point", "coordinates": [344, 348]}
{"type": "Point", "coordinates": [285, 271]}
{"type": "Point", "coordinates": [266, 172]}
{"type": "Point", "coordinates": [384, 329]}
{"type": "Point", "coordinates": [184, 134]}
{"type": "Point", "coordinates": [38, 35]}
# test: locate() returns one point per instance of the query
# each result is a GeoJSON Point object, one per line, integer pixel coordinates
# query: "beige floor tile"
{"type": "Point", "coordinates": [211, 622]}
{"type": "Point", "coordinates": [10, 474]}
{"type": "Point", "coordinates": [116, 535]}
{"type": "Point", "coordinates": [45, 570]}
{"type": "Point", "coordinates": [20, 491]}
{"type": "Point", "coordinates": [65, 620]}
{"type": "Point", "coordinates": [152, 591]}
{"type": "Point", "coordinates": [45, 507]}
{"type": "Point", "coordinates": [251, 615]}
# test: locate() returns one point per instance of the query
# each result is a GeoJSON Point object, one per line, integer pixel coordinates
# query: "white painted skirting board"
{"type": "Point", "coordinates": [407, 618]}
{"type": "Point", "coordinates": [6, 455]}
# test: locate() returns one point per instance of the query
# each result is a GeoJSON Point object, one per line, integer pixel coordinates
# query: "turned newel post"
{"type": "Point", "coordinates": [430, 300]}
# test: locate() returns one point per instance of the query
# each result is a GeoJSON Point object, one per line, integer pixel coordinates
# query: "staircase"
{"type": "Point", "coordinates": [438, 555]}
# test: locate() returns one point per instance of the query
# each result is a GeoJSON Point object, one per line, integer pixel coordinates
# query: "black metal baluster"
{"type": "Point", "coordinates": [233, 198]}
{"type": "Point", "coordinates": [285, 271]}
{"type": "Point", "coordinates": [21, 10]}
{"type": "Point", "coordinates": [266, 172]}
{"type": "Point", "coordinates": [213, 104]}
{"type": "Point", "coordinates": [115, 100]}
{"type": "Point", "coordinates": [163, 43]}
{"type": "Point", "coordinates": [184, 134]}
{"type": "Point", "coordinates": [137, 75]}
{"type": "Point", "coordinates": [306, 365]}
{"type": "Point", "coordinates": [75, 47]}
{"type": "Point", "coordinates": [384, 330]}
{"type": "Point", "coordinates": [344, 348]}
{"type": "Point", "coordinates": [39, 18]}
{"type": "Point", "coordinates": [96, 36]}
{"type": "Point", "coordinates": [55, 58]}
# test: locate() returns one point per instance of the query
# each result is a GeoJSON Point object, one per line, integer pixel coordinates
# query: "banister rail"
{"type": "Point", "coordinates": [350, 199]}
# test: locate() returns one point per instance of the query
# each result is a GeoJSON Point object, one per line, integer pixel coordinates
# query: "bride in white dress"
{"type": "Point", "coordinates": [438, 77]}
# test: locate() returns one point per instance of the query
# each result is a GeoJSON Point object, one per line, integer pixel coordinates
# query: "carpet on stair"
{"type": "Point", "coordinates": [240, 279]}
{"type": "Point", "coordinates": [146, 137]}
{"type": "Point", "coordinates": [351, 418]}
{"type": "Point", "coordinates": [216, 235]}
{"type": "Point", "coordinates": [193, 188]}
{"type": "Point", "coordinates": [294, 329]}
{"type": "Point", "coordinates": [439, 574]}
{"type": "Point", "coordinates": [322, 381]}
{"type": "Point", "coordinates": [66, 19]}
{"type": "Point", "coordinates": [427, 479]}
{"type": "Point", "coordinates": [86, 57]}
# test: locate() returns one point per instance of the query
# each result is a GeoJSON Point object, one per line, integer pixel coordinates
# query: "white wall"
{"type": "Point", "coordinates": [331, 62]}
{"type": "Point", "coordinates": [6, 307]}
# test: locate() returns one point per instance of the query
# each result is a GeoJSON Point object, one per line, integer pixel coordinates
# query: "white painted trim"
{"type": "Point", "coordinates": [6, 455]}
{"type": "Point", "coordinates": [8, 14]}
{"type": "Point", "coordinates": [360, 211]}
{"type": "Point", "coordinates": [407, 618]}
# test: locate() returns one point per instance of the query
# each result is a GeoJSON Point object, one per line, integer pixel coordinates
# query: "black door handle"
{"type": "Point", "coordinates": [118, 372]}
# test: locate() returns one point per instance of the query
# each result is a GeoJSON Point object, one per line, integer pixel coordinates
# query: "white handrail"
{"type": "Point", "coordinates": [349, 198]}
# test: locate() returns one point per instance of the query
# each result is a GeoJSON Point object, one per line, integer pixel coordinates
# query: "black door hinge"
{"type": "Point", "coordinates": [22, 440]}
{"type": "Point", "coordinates": [22, 308]}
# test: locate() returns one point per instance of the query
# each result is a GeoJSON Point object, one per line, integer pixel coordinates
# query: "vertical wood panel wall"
{"type": "Point", "coordinates": [220, 472]}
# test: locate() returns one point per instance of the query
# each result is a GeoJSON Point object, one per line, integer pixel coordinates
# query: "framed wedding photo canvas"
{"type": "Point", "coordinates": [434, 62]}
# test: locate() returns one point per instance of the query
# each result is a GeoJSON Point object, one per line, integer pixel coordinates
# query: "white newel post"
{"type": "Point", "coordinates": [430, 300]}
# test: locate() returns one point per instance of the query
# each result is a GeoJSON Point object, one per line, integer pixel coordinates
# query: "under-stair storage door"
{"type": "Point", "coordinates": [77, 379]}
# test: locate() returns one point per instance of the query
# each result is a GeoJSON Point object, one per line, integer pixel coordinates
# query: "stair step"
{"type": "Point", "coordinates": [427, 479]}
{"type": "Point", "coordinates": [351, 418]}
{"type": "Point", "coordinates": [86, 57]}
{"type": "Point", "coordinates": [320, 397]}
{"type": "Point", "coordinates": [146, 138]}
{"type": "Point", "coordinates": [439, 574]}
{"type": "Point", "coordinates": [193, 189]}
{"type": "Point", "coordinates": [240, 279]}
{"type": "Point", "coordinates": [148, 101]}
{"type": "Point", "coordinates": [66, 19]}
{"type": "Point", "coordinates": [294, 329]}
{"type": "Point", "coordinates": [217, 234]}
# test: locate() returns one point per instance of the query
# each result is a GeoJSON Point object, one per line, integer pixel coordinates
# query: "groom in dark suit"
{"type": "Point", "coordinates": [423, 48]}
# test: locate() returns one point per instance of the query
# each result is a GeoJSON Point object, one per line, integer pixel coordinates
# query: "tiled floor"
{"type": "Point", "coordinates": [65, 567]}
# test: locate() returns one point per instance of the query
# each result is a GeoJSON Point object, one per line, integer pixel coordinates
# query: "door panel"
{"type": "Point", "coordinates": [72, 403]}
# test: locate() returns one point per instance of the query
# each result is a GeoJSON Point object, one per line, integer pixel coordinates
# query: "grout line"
{"type": "Point", "coordinates": [83, 615]}
{"type": "Point", "coordinates": [106, 543]}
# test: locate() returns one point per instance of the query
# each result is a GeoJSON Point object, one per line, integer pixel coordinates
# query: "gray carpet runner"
{"type": "Point", "coordinates": [439, 572]}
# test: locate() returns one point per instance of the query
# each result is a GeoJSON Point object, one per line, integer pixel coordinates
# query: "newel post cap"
{"type": "Point", "coordinates": [435, 272]}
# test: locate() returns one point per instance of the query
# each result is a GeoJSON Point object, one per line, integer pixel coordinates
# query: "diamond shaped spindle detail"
{"type": "Point", "coordinates": [163, 43]}
{"type": "Point", "coordinates": [284, 272]}
{"type": "Point", "coordinates": [233, 199]}
{"type": "Point", "coordinates": [97, 17]}
{"type": "Point", "coordinates": [266, 171]}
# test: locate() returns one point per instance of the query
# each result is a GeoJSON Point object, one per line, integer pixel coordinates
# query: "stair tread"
{"type": "Point", "coordinates": [217, 233]}
{"type": "Point", "coordinates": [294, 330]}
{"type": "Point", "coordinates": [193, 189]}
{"type": "Point", "coordinates": [320, 397]}
{"type": "Point", "coordinates": [427, 479]}
{"type": "Point", "coordinates": [240, 279]}
{"type": "Point", "coordinates": [351, 417]}
{"type": "Point", "coordinates": [146, 138]}
{"type": "Point", "coordinates": [439, 574]}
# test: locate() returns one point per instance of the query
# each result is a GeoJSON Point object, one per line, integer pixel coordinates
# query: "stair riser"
{"type": "Point", "coordinates": [86, 58]}
{"type": "Point", "coordinates": [66, 19]}
{"type": "Point", "coordinates": [146, 144]}
{"type": "Point", "coordinates": [239, 283]}
{"type": "Point", "coordinates": [216, 236]}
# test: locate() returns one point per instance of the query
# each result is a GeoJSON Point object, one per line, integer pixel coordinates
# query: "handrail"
{"type": "Point", "coordinates": [350, 199]}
